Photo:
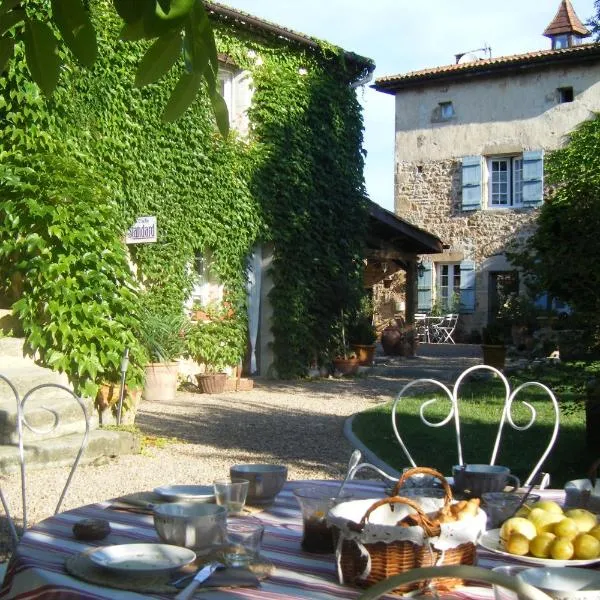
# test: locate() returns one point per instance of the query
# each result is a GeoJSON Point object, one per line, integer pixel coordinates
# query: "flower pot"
{"type": "Point", "coordinates": [346, 366]}
{"type": "Point", "coordinates": [393, 341]}
{"type": "Point", "coordinates": [212, 383]}
{"type": "Point", "coordinates": [107, 400]}
{"type": "Point", "coordinates": [365, 353]}
{"type": "Point", "coordinates": [161, 381]}
{"type": "Point", "coordinates": [494, 356]}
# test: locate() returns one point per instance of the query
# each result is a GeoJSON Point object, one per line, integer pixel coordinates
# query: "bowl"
{"type": "Point", "coordinates": [564, 583]}
{"type": "Point", "coordinates": [473, 480]}
{"type": "Point", "coordinates": [191, 524]}
{"type": "Point", "coordinates": [266, 481]}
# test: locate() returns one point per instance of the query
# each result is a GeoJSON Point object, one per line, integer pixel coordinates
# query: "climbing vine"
{"type": "Point", "coordinates": [296, 182]}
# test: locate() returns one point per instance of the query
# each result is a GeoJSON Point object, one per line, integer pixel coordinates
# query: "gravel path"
{"type": "Point", "coordinates": [296, 423]}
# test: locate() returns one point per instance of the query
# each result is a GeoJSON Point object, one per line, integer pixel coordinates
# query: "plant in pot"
{"type": "Point", "coordinates": [216, 344]}
{"type": "Point", "coordinates": [345, 361]}
{"type": "Point", "coordinates": [163, 335]}
{"type": "Point", "coordinates": [519, 314]}
{"type": "Point", "coordinates": [363, 335]}
{"type": "Point", "coordinates": [493, 345]}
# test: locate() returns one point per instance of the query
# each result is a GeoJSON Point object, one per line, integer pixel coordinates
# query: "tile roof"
{"type": "Point", "coordinates": [489, 66]}
{"type": "Point", "coordinates": [566, 21]}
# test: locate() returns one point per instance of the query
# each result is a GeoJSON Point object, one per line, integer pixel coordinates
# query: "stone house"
{"type": "Point", "coordinates": [470, 140]}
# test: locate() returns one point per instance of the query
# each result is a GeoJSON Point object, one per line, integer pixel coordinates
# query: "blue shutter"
{"type": "Point", "coordinates": [467, 286]}
{"type": "Point", "coordinates": [424, 300]}
{"type": "Point", "coordinates": [541, 301]}
{"type": "Point", "coordinates": [471, 183]}
{"type": "Point", "coordinates": [533, 178]}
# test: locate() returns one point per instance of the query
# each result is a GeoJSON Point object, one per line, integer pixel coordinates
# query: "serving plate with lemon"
{"type": "Point", "coordinates": [545, 534]}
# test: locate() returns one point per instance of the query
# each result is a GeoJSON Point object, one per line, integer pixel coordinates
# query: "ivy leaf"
{"type": "Point", "coordinates": [182, 96]}
{"type": "Point", "coordinates": [159, 58]}
{"type": "Point", "coordinates": [133, 10]}
{"type": "Point", "coordinates": [74, 24]}
{"type": "Point", "coordinates": [7, 46]}
{"type": "Point", "coordinates": [149, 25]}
{"type": "Point", "coordinates": [221, 113]}
{"type": "Point", "coordinates": [41, 52]}
{"type": "Point", "coordinates": [11, 18]}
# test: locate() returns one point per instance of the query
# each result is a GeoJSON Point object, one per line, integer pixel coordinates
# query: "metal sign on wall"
{"type": "Point", "coordinates": [143, 231]}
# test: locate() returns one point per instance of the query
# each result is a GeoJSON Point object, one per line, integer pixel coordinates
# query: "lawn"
{"type": "Point", "coordinates": [480, 405]}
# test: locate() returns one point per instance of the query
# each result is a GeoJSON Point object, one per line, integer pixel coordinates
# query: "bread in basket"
{"type": "Point", "coordinates": [379, 538]}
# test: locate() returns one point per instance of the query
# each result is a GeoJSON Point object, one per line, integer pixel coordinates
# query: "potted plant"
{"type": "Point", "coordinates": [163, 335]}
{"type": "Point", "coordinates": [363, 335]}
{"type": "Point", "coordinates": [216, 344]}
{"type": "Point", "coordinates": [493, 345]}
{"type": "Point", "coordinates": [518, 313]}
{"type": "Point", "coordinates": [345, 361]}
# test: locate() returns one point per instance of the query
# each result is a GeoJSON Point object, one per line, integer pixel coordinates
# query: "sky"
{"type": "Point", "coordinates": [404, 35]}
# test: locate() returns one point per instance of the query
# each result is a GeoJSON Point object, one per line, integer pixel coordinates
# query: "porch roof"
{"type": "Point", "coordinates": [388, 231]}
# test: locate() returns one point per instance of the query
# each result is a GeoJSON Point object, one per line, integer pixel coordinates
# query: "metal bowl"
{"type": "Point", "coordinates": [192, 525]}
{"type": "Point", "coordinates": [266, 481]}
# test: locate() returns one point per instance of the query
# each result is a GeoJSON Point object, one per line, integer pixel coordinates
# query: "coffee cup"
{"type": "Point", "coordinates": [473, 480]}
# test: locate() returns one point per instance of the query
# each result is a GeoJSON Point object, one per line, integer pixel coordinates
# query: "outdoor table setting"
{"type": "Point", "coordinates": [267, 542]}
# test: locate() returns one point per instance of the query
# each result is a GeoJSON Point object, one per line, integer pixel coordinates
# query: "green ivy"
{"type": "Point", "coordinates": [296, 182]}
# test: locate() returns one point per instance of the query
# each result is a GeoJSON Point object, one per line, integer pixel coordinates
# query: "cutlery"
{"type": "Point", "coordinates": [352, 463]}
{"type": "Point", "coordinates": [202, 575]}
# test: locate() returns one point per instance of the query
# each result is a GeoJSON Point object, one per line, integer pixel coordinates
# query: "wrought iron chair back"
{"type": "Point", "coordinates": [506, 417]}
{"type": "Point", "coordinates": [443, 330]}
{"type": "Point", "coordinates": [22, 424]}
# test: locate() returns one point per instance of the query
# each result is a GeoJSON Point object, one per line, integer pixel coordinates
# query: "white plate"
{"type": "Point", "coordinates": [186, 493]}
{"type": "Point", "coordinates": [490, 540]}
{"type": "Point", "coordinates": [142, 558]}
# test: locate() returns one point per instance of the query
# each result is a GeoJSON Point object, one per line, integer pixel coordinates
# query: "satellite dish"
{"type": "Point", "coordinates": [468, 57]}
{"type": "Point", "coordinates": [473, 55]}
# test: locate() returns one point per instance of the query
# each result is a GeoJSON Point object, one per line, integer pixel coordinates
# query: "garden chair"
{"type": "Point", "coordinates": [443, 330]}
{"type": "Point", "coordinates": [21, 425]}
{"type": "Point", "coordinates": [421, 327]}
{"type": "Point", "coordinates": [506, 417]}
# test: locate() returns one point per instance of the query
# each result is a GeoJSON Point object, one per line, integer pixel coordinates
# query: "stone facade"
{"type": "Point", "coordinates": [497, 112]}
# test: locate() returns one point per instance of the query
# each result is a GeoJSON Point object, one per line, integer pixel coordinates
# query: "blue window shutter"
{"type": "Point", "coordinates": [541, 301]}
{"type": "Point", "coordinates": [467, 286]}
{"type": "Point", "coordinates": [471, 182]}
{"type": "Point", "coordinates": [424, 299]}
{"type": "Point", "coordinates": [533, 178]}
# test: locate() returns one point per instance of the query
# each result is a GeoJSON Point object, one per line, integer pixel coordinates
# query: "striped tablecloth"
{"type": "Point", "coordinates": [37, 568]}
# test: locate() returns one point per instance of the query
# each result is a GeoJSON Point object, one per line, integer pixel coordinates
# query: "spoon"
{"type": "Point", "coordinates": [352, 463]}
{"type": "Point", "coordinates": [533, 483]}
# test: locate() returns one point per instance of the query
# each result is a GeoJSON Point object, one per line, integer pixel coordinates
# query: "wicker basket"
{"type": "Point", "coordinates": [367, 553]}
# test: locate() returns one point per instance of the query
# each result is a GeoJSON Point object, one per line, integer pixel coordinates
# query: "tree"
{"type": "Point", "coordinates": [594, 22]}
{"type": "Point", "coordinates": [563, 255]}
{"type": "Point", "coordinates": [180, 29]}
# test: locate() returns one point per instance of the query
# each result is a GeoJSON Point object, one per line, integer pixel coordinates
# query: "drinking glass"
{"type": "Point", "coordinates": [500, 506]}
{"type": "Point", "coordinates": [244, 539]}
{"type": "Point", "coordinates": [231, 493]}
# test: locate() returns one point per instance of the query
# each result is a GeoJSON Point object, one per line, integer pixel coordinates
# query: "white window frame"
{"type": "Point", "coordinates": [505, 192]}
{"type": "Point", "coordinates": [446, 273]}
{"type": "Point", "coordinates": [225, 78]}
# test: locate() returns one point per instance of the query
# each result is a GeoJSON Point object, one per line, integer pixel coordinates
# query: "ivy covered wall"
{"type": "Point", "coordinates": [296, 182]}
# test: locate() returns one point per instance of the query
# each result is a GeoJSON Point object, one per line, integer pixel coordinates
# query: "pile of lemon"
{"type": "Point", "coordinates": [544, 530]}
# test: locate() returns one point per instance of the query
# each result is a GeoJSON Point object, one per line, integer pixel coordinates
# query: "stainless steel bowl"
{"type": "Point", "coordinates": [192, 525]}
{"type": "Point", "coordinates": [266, 481]}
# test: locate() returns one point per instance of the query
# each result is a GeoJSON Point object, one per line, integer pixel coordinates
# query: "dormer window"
{"type": "Point", "coordinates": [560, 41]}
{"type": "Point", "coordinates": [566, 30]}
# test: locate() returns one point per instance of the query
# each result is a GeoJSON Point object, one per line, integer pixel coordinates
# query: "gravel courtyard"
{"type": "Point", "coordinates": [299, 424]}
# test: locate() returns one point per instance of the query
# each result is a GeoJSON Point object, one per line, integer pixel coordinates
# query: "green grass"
{"type": "Point", "coordinates": [480, 405]}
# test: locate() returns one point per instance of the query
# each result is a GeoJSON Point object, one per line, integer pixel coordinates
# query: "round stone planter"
{"type": "Point", "coordinates": [161, 382]}
{"type": "Point", "coordinates": [365, 353]}
{"type": "Point", "coordinates": [346, 366]}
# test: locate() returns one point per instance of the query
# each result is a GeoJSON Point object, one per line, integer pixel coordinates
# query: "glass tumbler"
{"type": "Point", "coordinates": [315, 502]}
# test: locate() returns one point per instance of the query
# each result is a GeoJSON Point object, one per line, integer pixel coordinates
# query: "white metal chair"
{"type": "Point", "coordinates": [23, 424]}
{"type": "Point", "coordinates": [421, 327]}
{"type": "Point", "coordinates": [443, 330]}
{"type": "Point", "coordinates": [506, 417]}
{"type": "Point", "coordinates": [479, 574]}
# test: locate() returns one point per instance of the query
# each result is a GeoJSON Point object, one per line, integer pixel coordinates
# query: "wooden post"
{"type": "Point", "coordinates": [411, 303]}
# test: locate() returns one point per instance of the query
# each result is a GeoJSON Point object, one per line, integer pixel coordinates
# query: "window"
{"type": "Point", "coordinates": [226, 89]}
{"type": "Point", "coordinates": [448, 292]}
{"type": "Point", "coordinates": [505, 181]}
{"type": "Point", "coordinates": [560, 41]}
{"type": "Point", "coordinates": [446, 110]}
{"type": "Point", "coordinates": [565, 94]}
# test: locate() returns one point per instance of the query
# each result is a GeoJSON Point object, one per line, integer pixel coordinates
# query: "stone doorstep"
{"type": "Point", "coordinates": [238, 385]}
{"type": "Point", "coordinates": [59, 452]}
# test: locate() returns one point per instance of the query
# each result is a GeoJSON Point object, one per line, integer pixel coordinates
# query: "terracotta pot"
{"type": "Point", "coordinates": [108, 396]}
{"type": "Point", "coordinates": [494, 356]}
{"type": "Point", "coordinates": [365, 353]}
{"type": "Point", "coordinates": [393, 341]}
{"type": "Point", "coordinates": [346, 366]}
{"type": "Point", "coordinates": [211, 383]}
{"type": "Point", "coordinates": [161, 381]}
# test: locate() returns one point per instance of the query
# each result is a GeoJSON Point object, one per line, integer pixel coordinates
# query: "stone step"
{"type": "Point", "coordinates": [60, 452]}
{"type": "Point", "coordinates": [67, 409]}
